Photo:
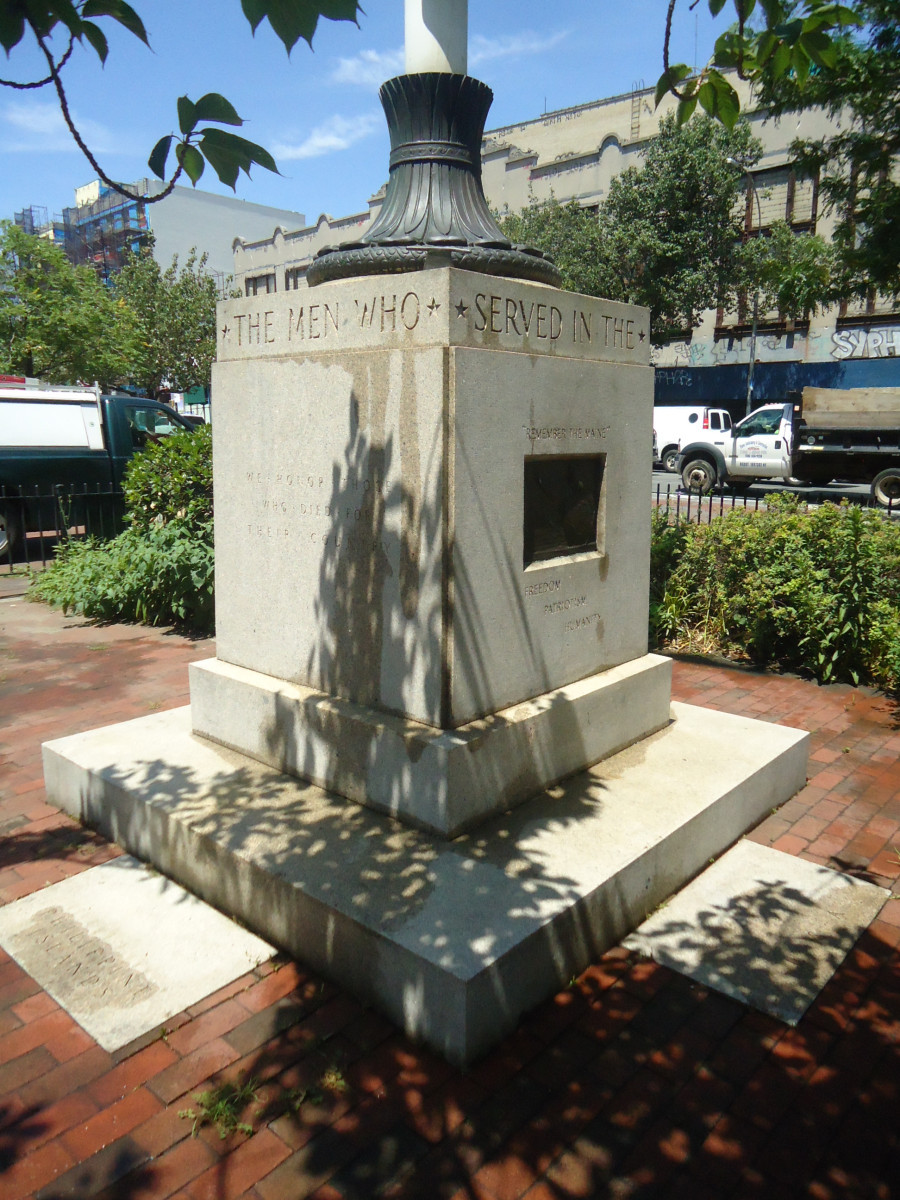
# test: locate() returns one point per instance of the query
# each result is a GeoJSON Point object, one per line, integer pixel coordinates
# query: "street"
{"type": "Point", "coordinates": [859, 493]}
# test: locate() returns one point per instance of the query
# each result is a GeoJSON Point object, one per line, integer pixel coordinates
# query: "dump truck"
{"type": "Point", "coordinates": [852, 436]}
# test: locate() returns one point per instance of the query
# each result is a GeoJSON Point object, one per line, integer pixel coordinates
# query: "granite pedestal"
{"type": "Point", "coordinates": [432, 567]}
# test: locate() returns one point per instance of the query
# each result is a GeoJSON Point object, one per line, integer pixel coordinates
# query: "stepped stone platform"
{"type": "Point", "coordinates": [455, 940]}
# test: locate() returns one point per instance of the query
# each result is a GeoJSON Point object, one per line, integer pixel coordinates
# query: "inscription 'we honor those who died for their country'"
{"type": "Point", "coordinates": [300, 322]}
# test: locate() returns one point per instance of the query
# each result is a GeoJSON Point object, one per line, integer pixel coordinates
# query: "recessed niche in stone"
{"type": "Point", "coordinates": [563, 506]}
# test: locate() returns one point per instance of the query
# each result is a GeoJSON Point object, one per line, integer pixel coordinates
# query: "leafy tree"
{"type": "Point", "coordinates": [75, 22]}
{"type": "Point", "coordinates": [174, 317]}
{"type": "Point", "coordinates": [671, 229]}
{"type": "Point", "coordinates": [667, 235]}
{"type": "Point", "coordinates": [57, 321]}
{"type": "Point", "coordinates": [569, 233]}
{"type": "Point", "coordinates": [857, 166]}
{"type": "Point", "coordinates": [792, 272]}
{"type": "Point", "coordinates": [791, 40]}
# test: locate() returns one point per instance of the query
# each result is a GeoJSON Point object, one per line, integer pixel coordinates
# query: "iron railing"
{"type": "Point", "coordinates": [38, 519]}
{"type": "Point", "coordinates": [700, 509]}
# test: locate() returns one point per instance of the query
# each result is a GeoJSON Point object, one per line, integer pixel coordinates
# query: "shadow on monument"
{"type": "Point", "coordinates": [391, 635]}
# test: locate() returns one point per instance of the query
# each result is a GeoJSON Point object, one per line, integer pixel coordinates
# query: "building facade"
{"type": "Point", "coordinates": [103, 226]}
{"type": "Point", "coordinates": [573, 154]}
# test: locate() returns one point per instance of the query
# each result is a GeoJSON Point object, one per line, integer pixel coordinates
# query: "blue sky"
{"type": "Point", "coordinates": [317, 111]}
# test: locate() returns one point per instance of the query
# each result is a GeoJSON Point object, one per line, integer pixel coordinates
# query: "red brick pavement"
{"type": "Point", "coordinates": [633, 1082]}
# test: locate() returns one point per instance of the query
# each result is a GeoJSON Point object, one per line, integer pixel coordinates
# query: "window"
{"type": "Point", "coordinates": [762, 423]}
{"type": "Point", "coordinates": [148, 424]}
{"type": "Point", "coordinates": [259, 285]}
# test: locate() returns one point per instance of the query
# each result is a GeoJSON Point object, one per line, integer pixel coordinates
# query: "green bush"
{"type": "Point", "coordinates": [812, 591]}
{"type": "Point", "coordinates": [160, 570]}
{"type": "Point", "coordinates": [159, 576]}
{"type": "Point", "coordinates": [171, 481]}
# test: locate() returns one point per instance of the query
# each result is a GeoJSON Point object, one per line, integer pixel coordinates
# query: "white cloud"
{"type": "Point", "coordinates": [337, 133]}
{"type": "Point", "coordinates": [37, 126]}
{"type": "Point", "coordinates": [482, 49]}
{"type": "Point", "coordinates": [370, 68]}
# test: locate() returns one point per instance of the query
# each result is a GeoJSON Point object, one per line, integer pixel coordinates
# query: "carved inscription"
{"type": "Point", "coordinates": [310, 322]}
{"type": "Point", "coordinates": [539, 589]}
{"type": "Point", "coordinates": [388, 313]}
{"type": "Point", "coordinates": [582, 622]}
{"type": "Point", "coordinates": [546, 322]}
{"type": "Point", "coordinates": [560, 606]}
{"type": "Point", "coordinates": [293, 515]}
{"type": "Point", "coordinates": [291, 323]}
{"type": "Point", "coordinates": [544, 433]}
{"type": "Point", "coordinates": [87, 970]}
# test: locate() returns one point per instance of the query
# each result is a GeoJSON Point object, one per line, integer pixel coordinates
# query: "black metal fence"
{"type": "Point", "coordinates": [700, 509]}
{"type": "Point", "coordinates": [34, 521]}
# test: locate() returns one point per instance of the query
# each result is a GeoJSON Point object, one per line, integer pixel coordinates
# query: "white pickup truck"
{"type": "Point", "coordinates": [851, 435]}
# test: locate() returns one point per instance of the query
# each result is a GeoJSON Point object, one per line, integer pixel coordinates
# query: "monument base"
{"type": "Point", "coordinates": [453, 940]}
{"type": "Point", "coordinates": [442, 780]}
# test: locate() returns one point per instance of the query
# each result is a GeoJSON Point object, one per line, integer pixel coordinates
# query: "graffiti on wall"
{"type": "Point", "coordinates": [866, 343]}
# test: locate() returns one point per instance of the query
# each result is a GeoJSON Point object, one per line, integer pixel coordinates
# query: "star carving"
{"type": "Point", "coordinates": [642, 335]}
{"type": "Point", "coordinates": [225, 332]}
{"type": "Point", "coordinates": [462, 308]}
{"type": "Point", "coordinates": [433, 306]}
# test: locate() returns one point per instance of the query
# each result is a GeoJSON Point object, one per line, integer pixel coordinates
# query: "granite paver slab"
{"type": "Point", "coordinates": [761, 926]}
{"type": "Point", "coordinates": [121, 948]}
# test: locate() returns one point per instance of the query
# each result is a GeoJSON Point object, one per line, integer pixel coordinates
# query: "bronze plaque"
{"type": "Point", "coordinates": [562, 505]}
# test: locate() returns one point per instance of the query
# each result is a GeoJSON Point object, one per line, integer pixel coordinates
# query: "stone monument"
{"type": "Point", "coordinates": [432, 474]}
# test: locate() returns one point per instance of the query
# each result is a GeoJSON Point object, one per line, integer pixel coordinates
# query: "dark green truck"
{"type": "Point", "coordinates": [60, 436]}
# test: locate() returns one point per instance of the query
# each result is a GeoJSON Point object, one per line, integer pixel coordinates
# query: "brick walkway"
{"type": "Point", "coordinates": [633, 1082]}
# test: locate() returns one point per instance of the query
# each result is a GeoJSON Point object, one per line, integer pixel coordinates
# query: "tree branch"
{"type": "Point", "coordinates": [40, 82]}
{"type": "Point", "coordinates": [79, 140]}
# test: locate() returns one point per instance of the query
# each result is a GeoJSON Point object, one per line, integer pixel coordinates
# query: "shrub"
{"type": "Point", "coordinates": [815, 591]}
{"type": "Point", "coordinates": [159, 576]}
{"type": "Point", "coordinates": [171, 481]}
{"type": "Point", "coordinates": [160, 570]}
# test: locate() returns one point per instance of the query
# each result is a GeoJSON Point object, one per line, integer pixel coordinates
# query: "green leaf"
{"type": "Point", "coordinates": [765, 46]}
{"type": "Point", "coordinates": [213, 107]}
{"type": "Point", "coordinates": [789, 31]}
{"type": "Point", "coordinates": [339, 10]}
{"type": "Point", "coordinates": [12, 27]}
{"type": "Point", "coordinates": [42, 15]}
{"type": "Point", "coordinates": [781, 60]}
{"type": "Point", "coordinates": [820, 48]}
{"type": "Point", "coordinates": [295, 19]}
{"type": "Point", "coordinates": [706, 94]}
{"type": "Point", "coordinates": [800, 64]}
{"type": "Point", "coordinates": [160, 152]}
{"type": "Point", "coordinates": [191, 159]}
{"type": "Point", "coordinates": [685, 110]}
{"type": "Point", "coordinates": [728, 105]}
{"type": "Point", "coordinates": [119, 11]}
{"type": "Point", "coordinates": [229, 154]}
{"type": "Point", "coordinates": [745, 8]}
{"type": "Point", "coordinates": [670, 79]}
{"type": "Point", "coordinates": [187, 117]}
{"type": "Point", "coordinates": [730, 49]}
{"type": "Point", "coordinates": [97, 38]}
{"type": "Point", "coordinates": [716, 6]}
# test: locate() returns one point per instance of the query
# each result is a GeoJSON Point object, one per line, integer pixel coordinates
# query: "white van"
{"type": "Point", "coordinates": [675, 426]}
